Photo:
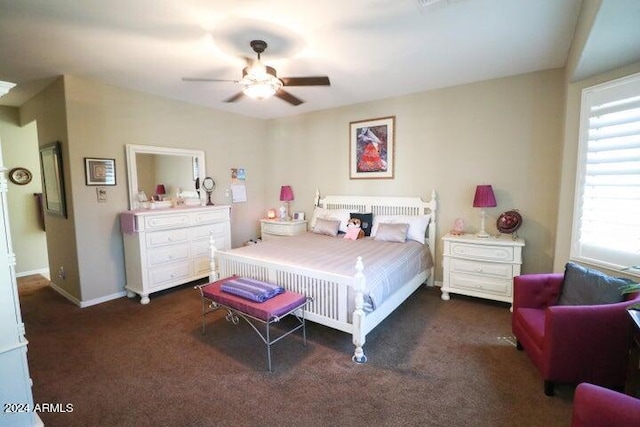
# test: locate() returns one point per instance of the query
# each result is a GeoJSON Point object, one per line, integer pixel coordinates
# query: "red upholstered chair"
{"type": "Point", "coordinates": [570, 343]}
{"type": "Point", "coordinates": [595, 406]}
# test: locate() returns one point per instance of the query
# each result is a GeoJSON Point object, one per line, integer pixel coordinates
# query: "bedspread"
{"type": "Point", "coordinates": [387, 265]}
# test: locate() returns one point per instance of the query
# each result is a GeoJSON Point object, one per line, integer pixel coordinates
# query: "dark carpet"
{"type": "Point", "coordinates": [431, 363]}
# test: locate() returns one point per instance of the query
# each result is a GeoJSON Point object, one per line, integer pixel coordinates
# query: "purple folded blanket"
{"type": "Point", "coordinates": [254, 290]}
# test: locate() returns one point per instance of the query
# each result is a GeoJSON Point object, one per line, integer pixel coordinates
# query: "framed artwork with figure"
{"type": "Point", "coordinates": [371, 148]}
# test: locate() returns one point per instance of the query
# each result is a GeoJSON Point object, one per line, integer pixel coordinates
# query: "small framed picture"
{"type": "Point", "coordinates": [100, 171]}
{"type": "Point", "coordinates": [298, 216]}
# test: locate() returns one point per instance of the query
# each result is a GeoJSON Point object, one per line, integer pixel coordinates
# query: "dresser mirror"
{"type": "Point", "coordinates": [175, 169]}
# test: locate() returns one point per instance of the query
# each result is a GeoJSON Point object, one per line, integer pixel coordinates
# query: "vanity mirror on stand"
{"type": "Point", "coordinates": [167, 245]}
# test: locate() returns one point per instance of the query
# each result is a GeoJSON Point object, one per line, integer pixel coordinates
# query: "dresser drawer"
{"type": "Point", "coordinates": [201, 265]}
{"type": "Point", "coordinates": [160, 276]}
{"type": "Point", "coordinates": [483, 252]}
{"type": "Point", "coordinates": [167, 237]}
{"type": "Point", "coordinates": [170, 253]}
{"type": "Point", "coordinates": [159, 222]}
{"type": "Point", "coordinates": [284, 229]}
{"type": "Point", "coordinates": [483, 284]}
{"type": "Point", "coordinates": [204, 231]}
{"type": "Point", "coordinates": [500, 271]}
{"type": "Point", "coordinates": [211, 216]}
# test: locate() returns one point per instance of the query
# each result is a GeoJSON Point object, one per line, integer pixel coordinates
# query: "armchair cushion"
{"type": "Point", "coordinates": [595, 406]}
{"type": "Point", "coordinates": [585, 286]}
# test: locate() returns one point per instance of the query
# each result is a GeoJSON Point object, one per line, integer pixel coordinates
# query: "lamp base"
{"type": "Point", "coordinates": [482, 234]}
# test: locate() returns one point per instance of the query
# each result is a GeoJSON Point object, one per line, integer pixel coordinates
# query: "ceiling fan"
{"type": "Point", "coordinates": [260, 81]}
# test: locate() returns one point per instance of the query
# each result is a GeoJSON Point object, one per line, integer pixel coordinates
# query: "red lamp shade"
{"type": "Point", "coordinates": [484, 197]}
{"type": "Point", "coordinates": [286, 193]}
{"type": "Point", "coordinates": [160, 189]}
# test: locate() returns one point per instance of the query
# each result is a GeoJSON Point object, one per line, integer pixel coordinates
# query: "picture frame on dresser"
{"type": "Point", "coordinates": [298, 216]}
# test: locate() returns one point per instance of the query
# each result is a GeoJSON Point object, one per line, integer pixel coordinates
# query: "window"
{"type": "Point", "coordinates": [607, 206]}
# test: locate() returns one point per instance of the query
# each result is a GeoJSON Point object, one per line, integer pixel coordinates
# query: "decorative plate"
{"type": "Point", "coordinates": [20, 176]}
{"type": "Point", "coordinates": [509, 221]}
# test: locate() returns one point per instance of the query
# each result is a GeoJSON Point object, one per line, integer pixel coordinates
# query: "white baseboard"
{"type": "Point", "coordinates": [105, 298]}
{"type": "Point", "coordinates": [84, 304]}
{"type": "Point", "coordinates": [65, 294]}
{"type": "Point", "coordinates": [43, 271]}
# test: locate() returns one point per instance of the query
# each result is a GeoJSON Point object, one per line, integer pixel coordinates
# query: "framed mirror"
{"type": "Point", "coordinates": [149, 167]}
{"type": "Point", "coordinates": [52, 179]}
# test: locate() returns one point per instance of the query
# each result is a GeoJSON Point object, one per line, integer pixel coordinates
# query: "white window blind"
{"type": "Point", "coordinates": [607, 208]}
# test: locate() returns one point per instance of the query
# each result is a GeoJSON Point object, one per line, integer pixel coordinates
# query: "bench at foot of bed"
{"type": "Point", "coordinates": [255, 313]}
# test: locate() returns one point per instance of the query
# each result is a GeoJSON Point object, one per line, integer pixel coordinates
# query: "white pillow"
{"type": "Point", "coordinates": [342, 215]}
{"type": "Point", "coordinates": [417, 224]}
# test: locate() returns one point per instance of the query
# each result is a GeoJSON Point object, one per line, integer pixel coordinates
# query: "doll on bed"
{"type": "Point", "coordinates": [354, 229]}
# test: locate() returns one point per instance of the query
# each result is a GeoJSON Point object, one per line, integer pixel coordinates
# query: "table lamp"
{"type": "Point", "coordinates": [160, 191]}
{"type": "Point", "coordinates": [484, 198]}
{"type": "Point", "coordinates": [286, 195]}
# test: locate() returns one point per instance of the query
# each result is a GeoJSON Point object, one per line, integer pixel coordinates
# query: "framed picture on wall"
{"type": "Point", "coordinates": [100, 171]}
{"type": "Point", "coordinates": [371, 148]}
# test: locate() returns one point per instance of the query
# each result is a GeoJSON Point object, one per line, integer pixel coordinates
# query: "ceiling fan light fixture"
{"type": "Point", "coordinates": [262, 89]}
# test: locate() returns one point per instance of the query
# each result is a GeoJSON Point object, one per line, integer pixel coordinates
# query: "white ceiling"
{"type": "Point", "coordinates": [369, 49]}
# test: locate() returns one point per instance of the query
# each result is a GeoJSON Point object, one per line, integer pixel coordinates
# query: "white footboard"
{"type": "Point", "coordinates": [329, 291]}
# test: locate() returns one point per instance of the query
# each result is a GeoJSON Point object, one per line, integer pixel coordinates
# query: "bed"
{"type": "Point", "coordinates": [347, 294]}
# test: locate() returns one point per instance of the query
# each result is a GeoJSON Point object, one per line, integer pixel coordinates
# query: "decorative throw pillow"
{"type": "Point", "coordinates": [585, 286]}
{"type": "Point", "coordinates": [392, 232]}
{"type": "Point", "coordinates": [366, 221]}
{"type": "Point", "coordinates": [417, 224]}
{"type": "Point", "coordinates": [327, 226]}
{"type": "Point", "coordinates": [343, 215]}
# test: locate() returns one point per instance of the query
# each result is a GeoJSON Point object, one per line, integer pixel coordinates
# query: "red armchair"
{"type": "Point", "coordinates": [570, 343]}
{"type": "Point", "coordinates": [595, 406]}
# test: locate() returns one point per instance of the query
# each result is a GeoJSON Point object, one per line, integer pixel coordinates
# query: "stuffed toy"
{"type": "Point", "coordinates": [354, 229]}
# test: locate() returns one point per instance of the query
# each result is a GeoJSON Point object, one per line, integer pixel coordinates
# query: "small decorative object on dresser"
{"type": "Point", "coordinates": [458, 227]}
{"type": "Point", "coordinates": [274, 228]}
{"type": "Point", "coordinates": [509, 222]}
{"type": "Point", "coordinates": [481, 267]}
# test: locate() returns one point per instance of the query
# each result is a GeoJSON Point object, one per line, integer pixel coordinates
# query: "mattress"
{"type": "Point", "coordinates": [387, 265]}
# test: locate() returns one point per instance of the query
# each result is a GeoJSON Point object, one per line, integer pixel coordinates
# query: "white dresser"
{"type": "Point", "coordinates": [169, 247]}
{"type": "Point", "coordinates": [481, 267]}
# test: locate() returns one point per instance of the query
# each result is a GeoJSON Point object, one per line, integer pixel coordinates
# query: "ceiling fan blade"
{"type": "Point", "coordinates": [286, 96]}
{"type": "Point", "coordinates": [235, 97]}
{"type": "Point", "coordinates": [306, 81]}
{"type": "Point", "coordinates": [199, 79]}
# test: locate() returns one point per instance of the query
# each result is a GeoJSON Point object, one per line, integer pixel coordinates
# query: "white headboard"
{"type": "Point", "coordinates": [388, 205]}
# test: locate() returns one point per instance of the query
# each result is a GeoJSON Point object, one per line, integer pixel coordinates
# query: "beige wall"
{"type": "Point", "coordinates": [20, 149]}
{"type": "Point", "coordinates": [48, 111]}
{"type": "Point", "coordinates": [101, 120]}
{"type": "Point", "coordinates": [505, 132]}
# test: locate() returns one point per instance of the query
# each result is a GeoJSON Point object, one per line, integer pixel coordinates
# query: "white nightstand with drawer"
{"type": "Point", "coordinates": [274, 228]}
{"type": "Point", "coordinates": [481, 267]}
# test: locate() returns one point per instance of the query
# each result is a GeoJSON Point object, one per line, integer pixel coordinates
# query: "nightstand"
{"type": "Point", "coordinates": [481, 267]}
{"type": "Point", "coordinates": [275, 228]}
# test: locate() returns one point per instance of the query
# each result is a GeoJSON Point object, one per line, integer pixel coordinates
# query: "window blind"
{"type": "Point", "coordinates": [607, 209]}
